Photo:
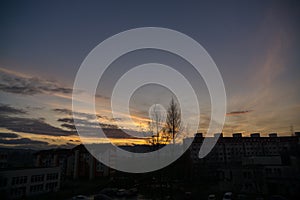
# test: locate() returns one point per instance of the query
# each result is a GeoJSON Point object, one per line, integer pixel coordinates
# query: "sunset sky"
{"type": "Point", "coordinates": [255, 45]}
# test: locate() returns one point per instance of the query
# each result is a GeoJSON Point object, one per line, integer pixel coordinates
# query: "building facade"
{"type": "Point", "coordinates": [250, 165]}
{"type": "Point", "coordinates": [19, 183]}
{"type": "Point", "coordinates": [76, 163]}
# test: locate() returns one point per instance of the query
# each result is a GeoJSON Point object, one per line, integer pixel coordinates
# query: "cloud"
{"type": "Point", "coordinates": [70, 112]}
{"type": "Point", "coordinates": [67, 120]}
{"type": "Point", "coordinates": [240, 112]}
{"type": "Point", "coordinates": [17, 83]}
{"type": "Point", "coordinates": [102, 97]}
{"type": "Point", "coordinates": [22, 141]}
{"type": "Point", "coordinates": [34, 126]}
{"type": "Point", "coordinates": [6, 109]}
{"type": "Point", "coordinates": [91, 128]}
{"type": "Point", "coordinates": [88, 116]}
{"type": "Point", "coordinates": [110, 119]}
{"type": "Point", "coordinates": [17, 141]}
{"type": "Point", "coordinates": [69, 123]}
{"type": "Point", "coordinates": [68, 126]}
{"type": "Point", "coordinates": [63, 110]}
{"type": "Point", "coordinates": [119, 133]}
{"type": "Point", "coordinates": [8, 135]}
{"type": "Point", "coordinates": [87, 124]}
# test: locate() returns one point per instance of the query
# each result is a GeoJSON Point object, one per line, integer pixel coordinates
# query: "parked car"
{"type": "Point", "coordinates": [187, 195]}
{"type": "Point", "coordinates": [122, 193]}
{"type": "Point", "coordinates": [241, 197]}
{"type": "Point", "coordinates": [211, 197]}
{"type": "Point", "coordinates": [132, 191]}
{"type": "Point", "coordinates": [111, 192]}
{"type": "Point", "coordinates": [102, 197]}
{"type": "Point", "coordinates": [277, 197]}
{"type": "Point", "coordinates": [80, 197]}
{"type": "Point", "coordinates": [228, 196]}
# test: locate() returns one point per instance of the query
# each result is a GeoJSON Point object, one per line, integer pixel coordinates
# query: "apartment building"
{"type": "Point", "coordinates": [19, 183]}
{"type": "Point", "coordinates": [234, 149]}
{"type": "Point", "coordinates": [76, 163]}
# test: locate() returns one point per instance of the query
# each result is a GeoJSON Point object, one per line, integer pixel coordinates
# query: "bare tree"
{"type": "Point", "coordinates": [173, 121]}
{"type": "Point", "coordinates": [156, 125]}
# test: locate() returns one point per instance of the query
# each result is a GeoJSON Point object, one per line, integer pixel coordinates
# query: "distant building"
{"type": "Point", "coordinates": [76, 163]}
{"type": "Point", "coordinates": [273, 135]}
{"type": "Point", "coordinates": [3, 160]}
{"type": "Point", "coordinates": [255, 135]}
{"type": "Point", "coordinates": [218, 135]}
{"type": "Point", "coordinates": [86, 166]}
{"type": "Point", "coordinates": [233, 149]}
{"type": "Point", "coordinates": [54, 158]}
{"type": "Point", "coordinates": [199, 135]}
{"type": "Point", "coordinates": [253, 165]}
{"type": "Point", "coordinates": [19, 183]}
{"type": "Point", "coordinates": [237, 135]}
{"type": "Point", "coordinates": [262, 175]}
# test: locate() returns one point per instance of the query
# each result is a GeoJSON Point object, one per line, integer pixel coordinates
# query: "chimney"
{"type": "Point", "coordinates": [199, 135]}
{"type": "Point", "coordinates": [237, 135]}
{"type": "Point", "coordinates": [255, 135]}
{"type": "Point", "coordinates": [273, 135]}
{"type": "Point", "coordinates": [218, 134]}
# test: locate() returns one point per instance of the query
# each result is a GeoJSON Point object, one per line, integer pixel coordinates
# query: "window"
{"type": "Point", "coordinates": [99, 167]}
{"type": "Point", "coordinates": [3, 182]}
{"type": "Point", "coordinates": [52, 176]}
{"type": "Point", "coordinates": [36, 188]}
{"type": "Point", "coordinates": [20, 191]}
{"type": "Point", "coordinates": [37, 178]}
{"type": "Point", "coordinates": [51, 186]}
{"type": "Point", "coordinates": [19, 180]}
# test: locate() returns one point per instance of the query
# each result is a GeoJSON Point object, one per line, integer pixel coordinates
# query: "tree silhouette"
{"type": "Point", "coordinates": [157, 125]}
{"type": "Point", "coordinates": [173, 121]}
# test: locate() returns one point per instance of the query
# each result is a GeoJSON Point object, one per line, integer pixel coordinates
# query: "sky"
{"type": "Point", "coordinates": [255, 45]}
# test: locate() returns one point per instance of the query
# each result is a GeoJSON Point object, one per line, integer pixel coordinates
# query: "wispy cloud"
{"type": "Point", "coordinates": [22, 141]}
{"type": "Point", "coordinates": [69, 123]}
{"type": "Point", "coordinates": [13, 139]}
{"type": "Point", "coordinates": [29, 125]}
{"type": "Point", "coordinates": [105, 120]}
{"type": "Point", "coordinates": [6, 110]}
{"type": "Point", "coordinates": [8, 135]}
{"type": "Point", "coordinates": [17, 83]}
{"type": "Point", "coordinates": [240, 112]}
{"type": "Point", "coordinates": [70, 113]}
